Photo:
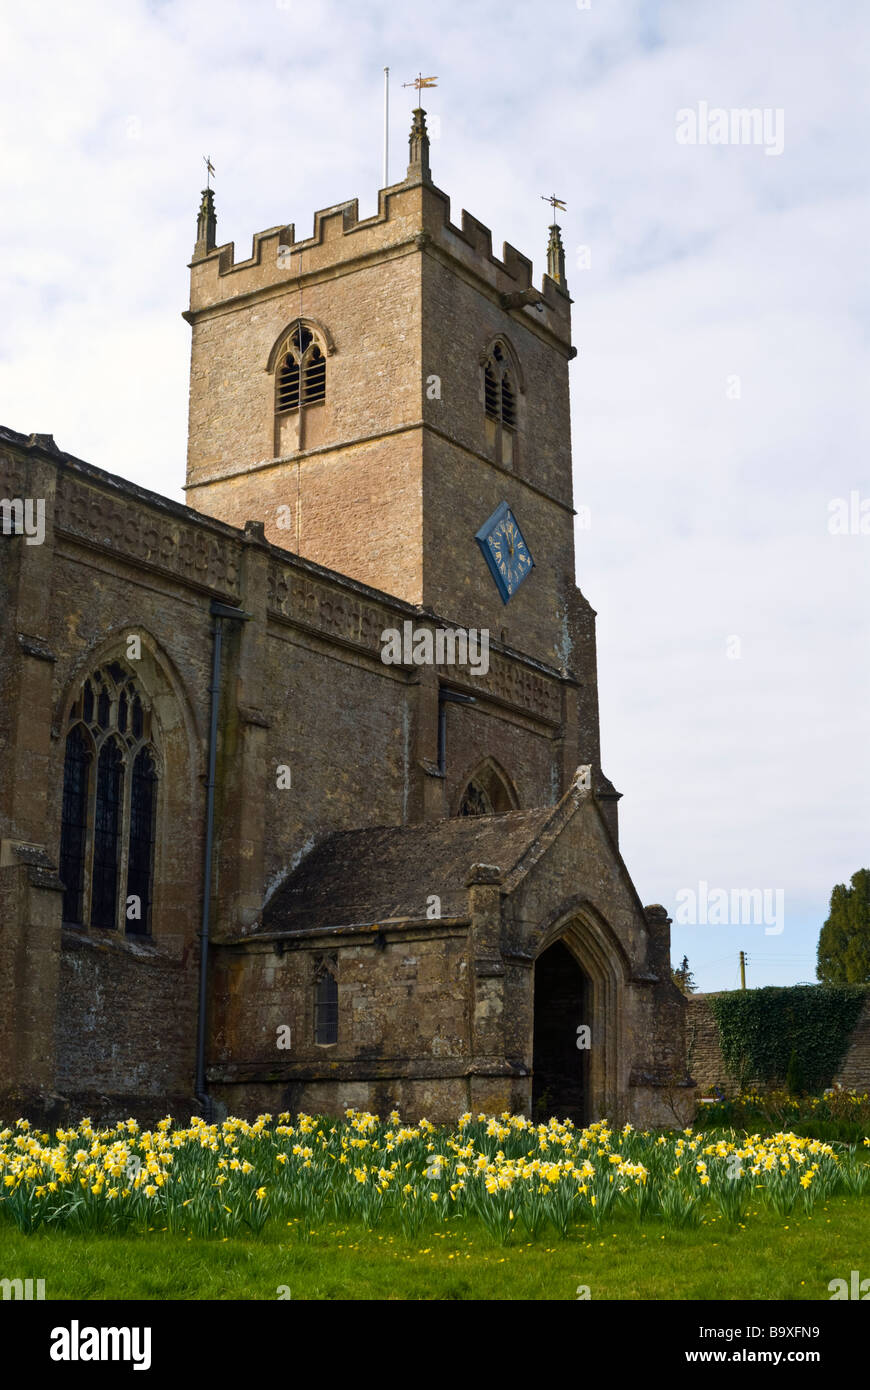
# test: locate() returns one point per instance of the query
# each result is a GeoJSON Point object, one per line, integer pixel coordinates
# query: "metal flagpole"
{"type": "Point", "coordinates": [386, 127]}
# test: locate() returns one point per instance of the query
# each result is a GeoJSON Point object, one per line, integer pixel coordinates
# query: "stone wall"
{"type": "Point", "coordinates": [126, 1021]}
{"type": "Point", "coordinates": [403, 1021]}
{"type": "Point", "coordinates": [303, 686]}
{"type": "Point", "coordinates": [703, 1053]}
{"type": "Point", "coordinates": [707, 1065]}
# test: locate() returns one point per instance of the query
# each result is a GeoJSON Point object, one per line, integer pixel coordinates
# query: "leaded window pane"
{"type": "Point", "coordinates": [74, 824]}
{"type": "Point", "coordinates": [143, 800]}
{"type": "Point", "coordinates": [475, 802]}
{"type": "Point", "coordinates": [326, 1009]}
{"type": "Point", "coordinates": [107, 834]}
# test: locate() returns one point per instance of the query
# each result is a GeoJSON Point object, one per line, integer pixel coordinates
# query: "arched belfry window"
{"type": "Point", "coordinates": [110, 785]}
{"type": "Point", "coordinates": [500, 387]}
{"type": "Point", "coordinates": [301, 375]}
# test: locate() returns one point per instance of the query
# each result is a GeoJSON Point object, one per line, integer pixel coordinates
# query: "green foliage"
{"type": "Point", "coordinates": [844, 941]}
{"type": "Point", "coordinates": [838, 1116]}
{"type": "Point", "coordinates": [760, 1028]}
{"type": "Point", "coordinates": [794, 1075]}
{"type": "Point", "coordinates": [683, 977]}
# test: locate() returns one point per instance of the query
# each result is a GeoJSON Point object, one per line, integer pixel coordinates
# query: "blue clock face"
{"type": "Point", "coordinates": [505, 551]}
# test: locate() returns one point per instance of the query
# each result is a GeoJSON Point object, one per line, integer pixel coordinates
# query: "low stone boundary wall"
{"type": "Point", "coordinates": [707, 1065]}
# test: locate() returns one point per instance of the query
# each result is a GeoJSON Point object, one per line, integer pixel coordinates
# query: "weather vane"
{"type": "Point", "coordinates": [554, 202]}
{"type": "Point", "coordinates": [420, 81]}
{"type": "Point", "coordinates": [209, 170]}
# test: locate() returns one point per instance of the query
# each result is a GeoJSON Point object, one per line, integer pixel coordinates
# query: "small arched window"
{"type": "Point", "coordinates": [500, 403]}
{"type": "Point", "coordinates": [488, 792]}
{"type": "Point", "coordinates": [326, 1003]}
{"type": "Point", "coordinates": [301, 377]}
{"type": "Point", "coordinates": [107, 841]}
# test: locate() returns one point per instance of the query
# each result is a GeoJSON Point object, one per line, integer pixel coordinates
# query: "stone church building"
{"type": "Point", "coordinates": [246, 860]}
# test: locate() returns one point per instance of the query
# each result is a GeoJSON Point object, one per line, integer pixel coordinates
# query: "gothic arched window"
{"type": "Point", "coordinates": [488, 792]}
{"type": "Point", "coordinates": [301, 377]}
{"type": "Point", "coordinates": [326, 1003]}
{"type": "Point", "coordinates": [500, 403]}
{"type": "Point", "coordinates": [107, 842]}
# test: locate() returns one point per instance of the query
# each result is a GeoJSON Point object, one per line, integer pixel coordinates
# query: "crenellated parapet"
{"type": "Point", "coordinates": [341, 392]}
{"type": "Point", "coordinates": [412, 216]}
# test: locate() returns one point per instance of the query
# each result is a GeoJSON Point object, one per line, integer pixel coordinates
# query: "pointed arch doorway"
{"type": "Point", "coordinates": [563, 998]}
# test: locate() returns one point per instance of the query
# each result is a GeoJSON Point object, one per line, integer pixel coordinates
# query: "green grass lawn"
{"type": "Point", "coordinates": [773, 1257]}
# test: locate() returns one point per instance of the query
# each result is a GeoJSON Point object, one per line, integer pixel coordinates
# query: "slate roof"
{"type": "Point", "coordinates": [366, 876]}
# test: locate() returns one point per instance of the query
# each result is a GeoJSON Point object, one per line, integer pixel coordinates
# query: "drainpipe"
{"type": "Point", "coordinates": [445, 698]}
{"type": "Point", "coordinates": [219, 611]}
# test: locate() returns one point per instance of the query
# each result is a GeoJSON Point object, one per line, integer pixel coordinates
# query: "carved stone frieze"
{"type": "Point", "coordinates": [137, 532]}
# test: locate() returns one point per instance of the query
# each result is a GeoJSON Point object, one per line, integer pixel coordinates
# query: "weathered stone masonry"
{"type": "Point", "coordinates": [385, 483]}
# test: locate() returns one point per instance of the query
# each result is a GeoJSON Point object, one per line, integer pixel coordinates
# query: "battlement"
{"type": "Point", "coordinates": [412, 216]}
{"type": "Point", "coordinates": [382, 381]}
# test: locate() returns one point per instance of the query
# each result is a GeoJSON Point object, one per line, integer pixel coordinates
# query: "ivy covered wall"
{"type": "Point", "coordinates": [810, 1035]}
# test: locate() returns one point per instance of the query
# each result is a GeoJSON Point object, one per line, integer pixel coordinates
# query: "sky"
{"type": "Point", "coordinates": [720, 313]}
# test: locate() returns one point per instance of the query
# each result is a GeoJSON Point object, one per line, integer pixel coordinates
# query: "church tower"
{"type": "Point", "coordinates": [411, 864]}
{"type": "Point", "coordinates": [391, 400]}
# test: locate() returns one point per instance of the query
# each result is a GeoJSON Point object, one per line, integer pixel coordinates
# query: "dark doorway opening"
{"type": "Point", "coordinates": [560, 1080]}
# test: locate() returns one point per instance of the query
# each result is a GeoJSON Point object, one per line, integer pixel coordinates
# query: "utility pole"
{"type": "Point", "coordinates": [742, 969]}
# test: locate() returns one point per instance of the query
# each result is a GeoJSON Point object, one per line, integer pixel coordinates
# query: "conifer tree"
{"type": "Point", "coordinates": [844, 941]}
{"type": "Point", "coordinates": [683, 977]}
